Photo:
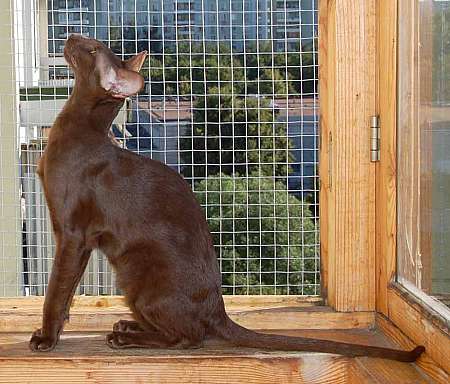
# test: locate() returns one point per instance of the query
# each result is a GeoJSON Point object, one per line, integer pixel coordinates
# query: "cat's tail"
{"type": "Point", "coordinates": [237, 335]}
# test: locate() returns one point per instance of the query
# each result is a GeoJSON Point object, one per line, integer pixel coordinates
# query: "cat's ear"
{"type": "Point", "coordinates": [135, 63]}
{"type": "Point", "coordinates": [121, 83]}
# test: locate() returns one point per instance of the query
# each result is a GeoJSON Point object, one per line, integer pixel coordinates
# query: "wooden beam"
{"type": "Point", "coordinates": [347, 98]}
{"type": "Point", "coordinates": [386, 168]}
{"type": "Point", "coordinates": [100, 313]}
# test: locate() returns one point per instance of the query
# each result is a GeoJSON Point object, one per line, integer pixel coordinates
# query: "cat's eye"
{"type": "Point", "coordinates": [93, 52]}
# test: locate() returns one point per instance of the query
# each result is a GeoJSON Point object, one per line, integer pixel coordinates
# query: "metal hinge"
{"type": "Point", "coordinates": [374, 138]}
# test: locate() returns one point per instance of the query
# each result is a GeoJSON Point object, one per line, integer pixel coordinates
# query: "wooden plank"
{"type": "Point", "coordinates": [84, 357]}
{"type": "Point", "coordinates": [428, 307]}
{"type": "Point", "coordinates": [99, 321]}
{"type": "Point", "coordinates": [295, 319]}
{"type": "Point", "coordinates": [425, 363]}
{"type": "Point", "coordinates": [348, 101]}
{"type": "Point", "coordinates": [326, 21]}
{"type": "Point", "coordinates": [357, 375]}
{"type": "Point", "coordinates": [79, 345]}
{"type": "Point", "coordinates": [386, 168]}
{"type": "Point", "coordinates": [99, 313]}
{"type": "Point", "coordinates": [390, 372]}
{"type": "Point", "coordinates": [425, 85]}
{"type": "Point", "coordinates": [380, 371]}
{"type": "Point", "coordinates": [248, 301]}
{"type": "Point", "coordinates": [420, 330]}
{"type": "Point", "coordinates": [159, 371]}
{"type": "Point", "coordinates": [323, 369]}
{"type": "Point", "coordinates": [408, 162]}
{"type": "Point", "coordinates": [415, 142]}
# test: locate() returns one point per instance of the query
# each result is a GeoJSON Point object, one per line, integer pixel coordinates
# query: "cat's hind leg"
{"type": "Point", "coordinates": [147, 339]}
{"type": "Point", "coordinates": [127, 326]}
{"type": "Point", "coordinates": [166, 323]}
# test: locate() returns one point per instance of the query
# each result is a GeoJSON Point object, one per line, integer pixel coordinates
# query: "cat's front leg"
{"type": "Point", "coordinates": [69, 264]}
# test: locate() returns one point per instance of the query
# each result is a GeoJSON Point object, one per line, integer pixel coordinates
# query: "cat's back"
{"type": "Point", "coordinates": [141, 174]}
{"type": "Point", "coordinates": [145, 190]}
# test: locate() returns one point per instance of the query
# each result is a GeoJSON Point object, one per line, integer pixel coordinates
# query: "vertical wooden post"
{"type": "Point", "coordinates": [10, 226]}
{"type": "Point", "coordinates": [347, 96]}
{"type": "Point", "coordinates": [386, 170]}
{"type": "Point", "coordinates": [425, 36]}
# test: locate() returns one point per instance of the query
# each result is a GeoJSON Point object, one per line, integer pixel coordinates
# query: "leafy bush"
{"type": "Point", "coordinates": [264, 236]}
{"type": "Point", "coordinates": [235, 135]}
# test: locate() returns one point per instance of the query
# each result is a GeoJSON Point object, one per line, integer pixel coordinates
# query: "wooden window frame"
{"type": "Point", "coordinates": [411, 313]}
{"type": "Point", "coordinates": [358, 199]}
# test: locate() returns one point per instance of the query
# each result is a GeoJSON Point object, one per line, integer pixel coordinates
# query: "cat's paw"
{"type": "Point", "coordinates": [42, 343]}
{"type": "Point", "coordinates": [115, 340]}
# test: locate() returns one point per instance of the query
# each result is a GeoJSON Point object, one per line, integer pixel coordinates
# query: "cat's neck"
{"type": "Point", "coordinates": [83, 111]}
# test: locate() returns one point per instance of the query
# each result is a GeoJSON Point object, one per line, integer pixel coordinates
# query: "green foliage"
{"type": "Point", "coordinates": [235, 136]}
{"type": "Point", "coordinates": [234, 127]}
{"type": "Point", "coordinates": [263, 235]}
{"type": "Point", "coordinates": [194, 69]}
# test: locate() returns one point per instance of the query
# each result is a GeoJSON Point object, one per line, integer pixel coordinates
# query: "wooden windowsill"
{"type": "Point", "coordinates": [82, 355]}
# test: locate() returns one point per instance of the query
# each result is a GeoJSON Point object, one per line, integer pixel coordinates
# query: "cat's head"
{"type": "Point", "coordinates": [100, 72]}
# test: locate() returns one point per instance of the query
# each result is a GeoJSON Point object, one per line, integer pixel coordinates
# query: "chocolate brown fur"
{"type": "Point", "coordinates": [145, 218]}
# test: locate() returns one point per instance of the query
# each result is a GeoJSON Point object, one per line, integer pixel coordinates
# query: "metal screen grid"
{"type": "Point", "coordinates": [230, 101]}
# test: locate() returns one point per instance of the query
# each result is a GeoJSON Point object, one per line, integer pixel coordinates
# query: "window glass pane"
{"type": "Point", "coordinates": [424, 147]}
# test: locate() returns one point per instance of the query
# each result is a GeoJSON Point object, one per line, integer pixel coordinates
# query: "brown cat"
{"type": "Point", "coordinates": [145, 218]}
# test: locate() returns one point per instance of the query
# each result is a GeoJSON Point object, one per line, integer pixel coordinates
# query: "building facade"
{"type": "Point", "coordinates": [159, 24]}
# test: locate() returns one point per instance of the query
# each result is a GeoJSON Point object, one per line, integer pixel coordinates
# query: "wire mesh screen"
{"type": "Point", "coordinates": [230, 101]}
